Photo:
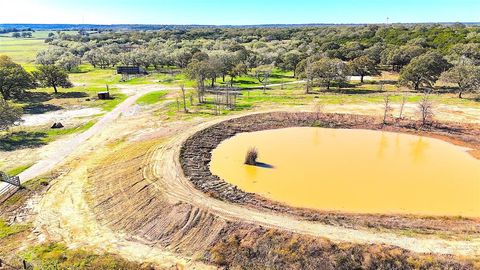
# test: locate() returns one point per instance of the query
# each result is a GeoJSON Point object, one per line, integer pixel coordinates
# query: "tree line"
{"type": "Point", "coordinates": [421, 53]}
{"type": "Point", "coordinates": [322, 56]}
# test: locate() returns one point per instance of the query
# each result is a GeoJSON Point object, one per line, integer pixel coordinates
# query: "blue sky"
{"type": "Point", "coordinates": [237, 12]}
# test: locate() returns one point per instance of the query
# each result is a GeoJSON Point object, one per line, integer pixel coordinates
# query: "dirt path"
{"type": "Point", "coordinates": [65, 215]}
{"type": "Point", "coordinates": [169, 178]}
{"type": "Point", "coordinates": [64, 212]}
{"type": "Point", "coordinates": [67, 147]}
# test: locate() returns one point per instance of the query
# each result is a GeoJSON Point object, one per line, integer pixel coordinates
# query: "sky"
{"type": "Point", "coordinates": [237, 12]}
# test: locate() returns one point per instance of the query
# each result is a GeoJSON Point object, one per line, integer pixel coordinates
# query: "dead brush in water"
{"type": "Point", "coordinates": [252, 155]}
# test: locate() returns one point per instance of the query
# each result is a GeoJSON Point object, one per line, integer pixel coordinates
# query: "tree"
{"type": "Point", "coordinates": [182, 57]}
{"type": "Point", "coordinates": [238, 70]}
{"type": "Point", "coordinates": [104, 58]}
{"type": "Point", "coordinates": [226, 63]}
{"type": "Point", "coordinates": [26, 34]}
{"type": "Point", "coordinates": [375, 52]}
{"type": "Point", "coordinates": [14, 80]}
{"type": "Point", "coordinates": [350, 50]}
{"type": "Point", "coordinates": [158, 58]}
{"type": "Point", "coordinates": [465, 76]}
{"type": "Point", "coordinates": [69, 62]}
{"type": "Point", "coordinates": [399, 56]}
{"type": "Point", "coordinates": [291, 60]}
{"type": "Point", "coordinates": [9, 115]}
{"type": "Point", "coordinates": [263, 73]}
{"type": "Point", "coordinates": [387, 108]}
{"type": "Point", "coordinates": [425, 108]}
{"type": "Point", "coordinates": [327, 70]}
{"type": "Point", "coordinates": [16, 35]}
{"type": "Point", "coordinates": [200, 56]}
{"type": "Point", "coordinates": [52, 76]}
{"type": "Point", "coordinates": [198, 71]}
{"type": "Point", "coordinates": [91, 57]}
{"type": "Point", "coordinates": [49, 56]}
{"type": "Point", "coordinates": [301, 68]}
{"type": "Point", "coordinates": [424, 70]}
{"type": "Point", "coordinates": [184, 97]}
{"type": "Point", "coordinates": [470, 51]}
{"type": "Point", "coordinates": [363, 66]}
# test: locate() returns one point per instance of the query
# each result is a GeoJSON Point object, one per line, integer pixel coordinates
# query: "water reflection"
{"type": "Point", "coordinates": [418, 149]}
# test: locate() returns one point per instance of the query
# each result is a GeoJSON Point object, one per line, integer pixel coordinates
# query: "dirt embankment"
{"type": "Point", "coordinates": [126, 197]}
{"type": "Point", "coordinates": [196, 155]}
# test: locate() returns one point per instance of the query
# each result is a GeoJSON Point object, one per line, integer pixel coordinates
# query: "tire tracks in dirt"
{"type": "Point", "coordinates": [167, 175]}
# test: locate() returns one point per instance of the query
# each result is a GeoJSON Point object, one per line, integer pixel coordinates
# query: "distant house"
{"type": "Point", "coordinates": [131, 70]}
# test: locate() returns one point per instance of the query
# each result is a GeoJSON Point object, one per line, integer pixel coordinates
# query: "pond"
{"type": "Point", "coordinates": [357, 171]}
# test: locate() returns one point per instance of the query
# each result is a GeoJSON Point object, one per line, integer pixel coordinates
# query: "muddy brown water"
{"type": "Point", "coordinates": [359, 171]}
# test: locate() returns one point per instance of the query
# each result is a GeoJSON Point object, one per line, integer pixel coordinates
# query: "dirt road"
{"type": "Point", "coordinates": [169, 178]}
{"type": "Point", "coordinates": [67, 147]}
{"type": "Point", "coordinates": [64, 212]}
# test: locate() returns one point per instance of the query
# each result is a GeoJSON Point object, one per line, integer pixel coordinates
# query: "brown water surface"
{"type": "Point", "coordinates": [361, 171]}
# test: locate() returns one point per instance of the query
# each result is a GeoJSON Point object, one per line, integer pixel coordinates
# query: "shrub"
{"type": "Point", "coordinates": [252, 155]}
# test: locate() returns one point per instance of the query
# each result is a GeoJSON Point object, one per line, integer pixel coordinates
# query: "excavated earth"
{"type": "Point", "coordinates": [145, 196]}
{"type": "Point", "coordinates": [196, 154]}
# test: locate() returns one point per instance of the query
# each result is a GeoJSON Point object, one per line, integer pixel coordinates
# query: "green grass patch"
{"type": "Point", "coordinates": [58, 256]}
{"type": "Point", "coordinates": [34, 138]}
{"type": "Point", "coordinates": [152, 98]}
{"type": "Point", "coordinates": [89, 76]}
{"type": "Point", "coordinates": [22, 50]}
{"type": "Point", "coordinates": [294, 95]}
{"type": "Point", "coordinates": [110, 104]}
{"type": "Point", "coordinates": [6, 230]}
{"type": "Point", "coordinates": [52, 134]}
{"type": "Point", "coordinates": [18, 170]}
{"type": "Point", "coordinates": [250, 81]}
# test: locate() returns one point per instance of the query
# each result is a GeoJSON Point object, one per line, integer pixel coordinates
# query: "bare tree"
{"type": "Point", "coordinates": [184, 97]}
{"type": "Point", "coordinates": [425, 107]}
{"type": "Point", "coordinates": [387, 108]}
{"type": "Point", "coordinates": [318, 108]}
{"type": "Point", "coordinates": [402, 106]}
{"type": "Point", "coordinates": [262, 74]}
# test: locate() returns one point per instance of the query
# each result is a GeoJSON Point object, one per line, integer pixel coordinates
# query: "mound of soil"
{"type": "Point", "coordinates": [195, 158]}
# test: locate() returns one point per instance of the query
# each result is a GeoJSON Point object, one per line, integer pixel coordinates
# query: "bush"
{"type": "Point", "coordinates": [252, 155]}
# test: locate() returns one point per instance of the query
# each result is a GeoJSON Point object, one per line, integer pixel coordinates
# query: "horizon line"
{"type": "Point", "coordinates": [219, 25]}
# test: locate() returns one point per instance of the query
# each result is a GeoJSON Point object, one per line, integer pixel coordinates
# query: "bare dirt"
{"type": "Point", "coordinates": [140, 205]}
{"type": "Point", "coordinates": [64, 212]}
{"type": "Point", "coordinates": [63, 116]}
{"type": "Point", "coordinates": [231, 196]}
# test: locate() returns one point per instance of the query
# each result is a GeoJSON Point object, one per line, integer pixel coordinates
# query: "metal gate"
{"type": "Point", "coordinates": [12, 180]}
{"type": "Point", "coordinates": [13, 186]}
